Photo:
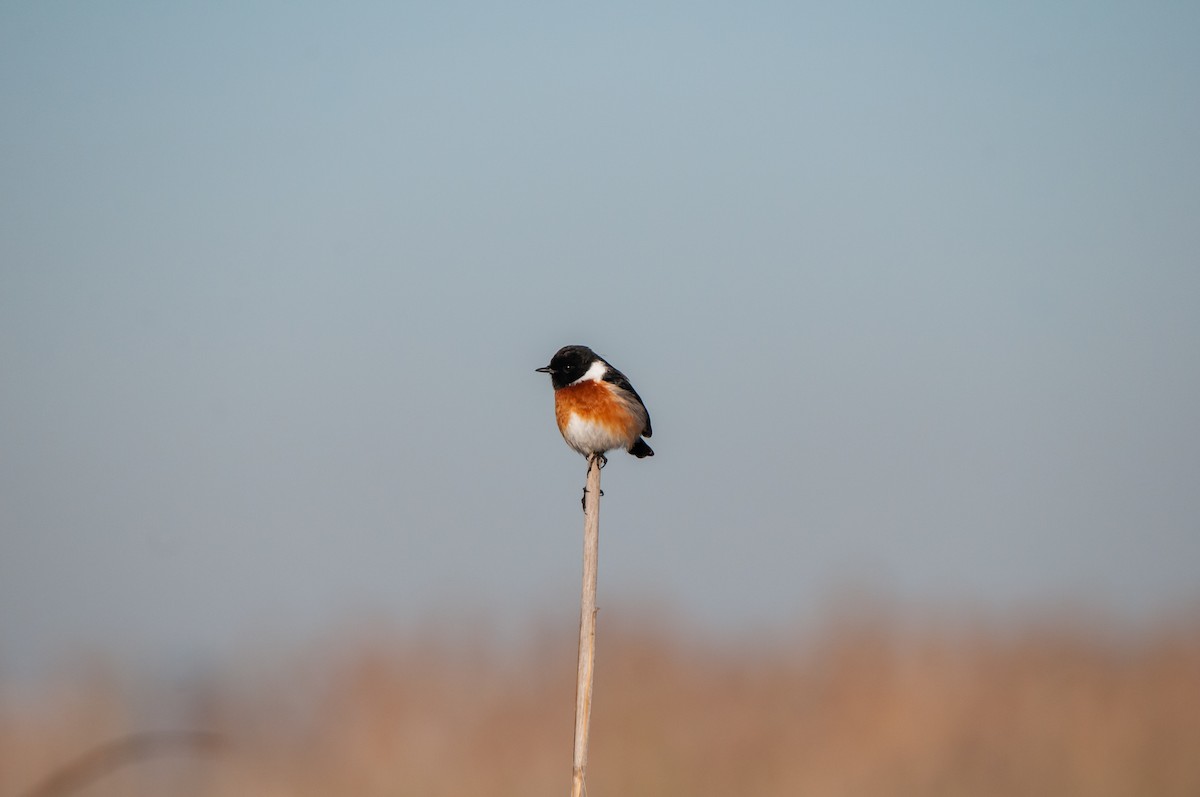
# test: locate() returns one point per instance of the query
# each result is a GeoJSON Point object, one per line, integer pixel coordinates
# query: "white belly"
{"type": "Point", "coordinates": [588, 437]}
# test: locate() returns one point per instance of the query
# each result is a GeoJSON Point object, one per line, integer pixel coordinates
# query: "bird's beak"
{"type": "Point", "coordinates": [544, 370]}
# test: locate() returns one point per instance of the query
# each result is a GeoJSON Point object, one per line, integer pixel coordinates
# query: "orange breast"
{"type": "Point", "coordinates": [594, 401]}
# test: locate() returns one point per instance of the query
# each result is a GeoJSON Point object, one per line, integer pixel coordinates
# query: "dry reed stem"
{"type": "Point", "coordinates": [114, 754]}
{"type": "Point", "coordinates": [587, 625]}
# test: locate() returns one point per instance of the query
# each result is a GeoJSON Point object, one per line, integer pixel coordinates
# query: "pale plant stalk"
{"type": "Point", "coordinates": [587, 624]}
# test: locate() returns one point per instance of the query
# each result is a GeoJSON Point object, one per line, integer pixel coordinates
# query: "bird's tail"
{"type": "Point", "coordinates": [640, 449]}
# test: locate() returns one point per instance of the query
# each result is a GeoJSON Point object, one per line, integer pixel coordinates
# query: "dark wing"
{"type": "Point", "coordinates": [619, 379]}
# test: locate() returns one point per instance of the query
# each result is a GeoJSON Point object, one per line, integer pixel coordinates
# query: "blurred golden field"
{"type": "Point", "coordinates": [865, 706]}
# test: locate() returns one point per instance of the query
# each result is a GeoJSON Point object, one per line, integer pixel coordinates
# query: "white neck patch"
{"type": "Point", "coordinates": [594, 373]}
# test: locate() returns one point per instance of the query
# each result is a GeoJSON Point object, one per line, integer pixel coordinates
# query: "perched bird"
{"type": "Point", "coordinates": [596, 408]}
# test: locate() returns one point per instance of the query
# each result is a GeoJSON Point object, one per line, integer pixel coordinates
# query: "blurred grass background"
{"type": "Point", "coordinates": [868, 704]}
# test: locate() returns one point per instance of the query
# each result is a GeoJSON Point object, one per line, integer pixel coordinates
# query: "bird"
{"type": "Point", "coordinates": [596, 407]}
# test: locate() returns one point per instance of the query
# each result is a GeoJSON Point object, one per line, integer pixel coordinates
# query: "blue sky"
{"type": "Point", "coordinates": [912, 294]}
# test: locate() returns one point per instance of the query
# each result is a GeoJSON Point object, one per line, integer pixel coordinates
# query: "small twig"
{"type": "Point", "coordinates": [587, 623]}
{"type": "Point", "coordinates": [111, 755]}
